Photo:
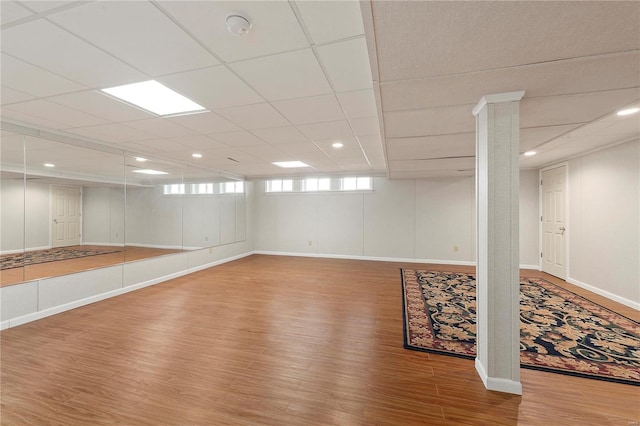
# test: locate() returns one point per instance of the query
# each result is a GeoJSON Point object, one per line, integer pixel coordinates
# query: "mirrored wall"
{"type": "Point", "coordinates": [66, 208]}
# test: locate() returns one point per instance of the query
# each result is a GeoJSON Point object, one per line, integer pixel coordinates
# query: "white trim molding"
{"type": "Point", "coordinates": [495, 384]}
{"type": "Point", "coordinates": [604, 293]}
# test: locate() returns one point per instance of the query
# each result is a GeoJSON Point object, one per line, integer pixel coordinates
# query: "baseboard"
{"type": "Point", "coordinates": [497, 384]}
{"type": "Point", "coordinates": [13, 322]}
{"type": "Point", "coordinates": [158, 246]}
{"type": "Point", "coordinates": [534, 267]}
{"type": "Point", "coordinates": [88, 243]}
{"type": "Point", "coordinates": [372, 258]}
{"type": "Point", "coordinates": [25, 250]}
{"type": "Point", "coordinates": [604, 293]}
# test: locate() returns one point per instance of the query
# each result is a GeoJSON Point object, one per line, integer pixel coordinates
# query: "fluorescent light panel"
{"type": "Point", "coordinates": [290, 164]}
{"type": "Point", "coordinates": [150, 172]}
{"type": "Point", "coordinates": [155, 97]}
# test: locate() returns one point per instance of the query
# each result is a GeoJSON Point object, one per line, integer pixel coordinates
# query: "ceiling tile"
{"type": "Point", "coordinates": [275, 27]}
{"type": "Point", "coordinates": [145, 37]}
{"type": "Point", "coordinates": [284, 76]}
{"type": "Point", "coordinates": [546, 79]}
{"type": "Point", "coordinates": [429, 147]}
{"type": "Point", "coordinates": [11, 11]}
{"type": "Point", "coordinates": [46, 5]}
{"type": "Point", "coordinates": [370, 141]}
{"type": "Point", "coordinates": [347, 64]}
{"type": "Point", "coordinates": [58, 113]}
{"type": "Point", "coordinates": [199, 142]}
{"type": "Point", "coordinates": [581, 108]}
{"type": "Point", "coordinates": [161, 144]}
{"type": "Point", "coordinates": [101, 105]}
{"type": "Point", "coordinates": [35, 81]}
{"type": "Point", "coordinates": [359, 103]}
{"type": "Point", "coordinates": [354, 164]}
{"type": "Point", "coordinates": [113, 133]}
{"type": "Point", "coordinates": [45, 45]}
{"type": "Point", "coordinates": [535, 136]}
{"type": "Point", "coordinates": [431, 121]}
{"type": "Point", "coordinates": [207, 122]}
{"type": "Point", "coordinates": [299, 148]}
{"type": "Point", "coordinates": [477, 28]}
{"type": "Point", "coordinates": [213, 88]}
{"type": "Point", "coordinates": [10, 95]}
{"type": "Point", "coordinates": [281, 135]}
{"type": "Point", "coordinates": [160, 127]}
{"type": "Point", "coordinates": [255, 116]}
{"type": "Point", "coordinates": [331, 130]}
{"type": "Point", "coordinates": [349, 153]}
{"type": "Point", "coordinates": [32, 120]}
{"type": "Point", "coordinates": [315, 109]}
{"type": "Point", "coordinates": [365, 126]}
{"type": "Point", "coordinates": [238, 139]}
{"type": "Point", "coordinates": [267, 153]}
{"type": "Point", "coordinates": [344, 16]}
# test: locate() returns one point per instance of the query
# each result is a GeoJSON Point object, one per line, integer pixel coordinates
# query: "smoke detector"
{"type": "Point", "coordinates": [238, 25]}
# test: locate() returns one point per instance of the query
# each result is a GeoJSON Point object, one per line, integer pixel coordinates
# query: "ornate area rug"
{"type": "Point", "coordinates": [18, 260]}
{"type": "Point", "coordinates": [560, 331]}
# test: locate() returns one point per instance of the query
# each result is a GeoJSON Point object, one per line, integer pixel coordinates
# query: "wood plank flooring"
{"type": "Point", "coordinates": [70, 266]}
{"type": "Point", "coordinates": [271, 341]}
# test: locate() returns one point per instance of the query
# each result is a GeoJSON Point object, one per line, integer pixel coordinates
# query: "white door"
{"type": "Point", "coordinates": [554, 228]}
{"type": "Point", "coordinates": [65, 209]}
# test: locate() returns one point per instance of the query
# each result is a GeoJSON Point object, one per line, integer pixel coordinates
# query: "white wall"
{"type": "Point", "coordinates": [19, 231]}
{"type": "Point", "coordinates": [103, 215]}
{"type": "Point", "coordinates": [424, 219]}
{"type": "Point", "coordinates": [190, 221]}
{"type": "Point", "coordinates": [529, 218]}
{"type": "Point", "coordinates": [604, 221]}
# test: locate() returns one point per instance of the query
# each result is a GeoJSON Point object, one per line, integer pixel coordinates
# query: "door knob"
{"type": "Point", "coordinates": [562, 228]}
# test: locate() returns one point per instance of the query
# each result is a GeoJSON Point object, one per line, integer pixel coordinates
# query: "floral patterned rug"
{"type": "Point", "coordinates": [17, 260]}
{"type": "Point", "coordinates": [560, 331]}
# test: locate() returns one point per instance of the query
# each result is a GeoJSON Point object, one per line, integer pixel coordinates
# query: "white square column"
{"type": "Point", "coordinates": [497, 270]}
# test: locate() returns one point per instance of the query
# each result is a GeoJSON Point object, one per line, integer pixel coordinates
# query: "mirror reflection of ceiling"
{"type": "Point", "coordinates": [395, 82]}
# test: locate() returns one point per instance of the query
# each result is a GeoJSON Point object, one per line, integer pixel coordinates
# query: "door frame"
{"type": "Point", "coordinates": [80, 238]}
{"type": "Point", "coordinates": [566, 209]}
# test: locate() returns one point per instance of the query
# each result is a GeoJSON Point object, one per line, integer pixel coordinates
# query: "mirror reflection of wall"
{"type": "Point", "coordinates": [12, 213]}
{"type": "Point", "coordinates": [67, 208]}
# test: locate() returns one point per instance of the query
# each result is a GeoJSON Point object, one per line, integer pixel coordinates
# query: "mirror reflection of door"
{"type": "Point", "coordinates": [65, 209]}
{"type": "Point", "coordinates": [554, 235]}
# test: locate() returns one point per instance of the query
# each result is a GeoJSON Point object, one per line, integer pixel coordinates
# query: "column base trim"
{"type": "Point", "coordinates": [497, 384]}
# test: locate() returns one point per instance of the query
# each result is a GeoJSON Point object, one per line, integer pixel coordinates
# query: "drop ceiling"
{"type": "Point", "coordinates": [395, 82]}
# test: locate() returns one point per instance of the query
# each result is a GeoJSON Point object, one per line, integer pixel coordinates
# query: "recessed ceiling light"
{"type": "Point", "coordinates": [337, 145]}
{"type": "Point", "coordinates": [140, 159]}
{"type": "Point", "coordinates": [196, 155]}
{"type": "Point", "coordinates": [150, 172]}
{"type": "Point", "coordinates": [530, 153]}
{"type": "Point", "coordinates": [290, 164]}
{"type": "Point", "coordinates": [628, 111]}
{"type": "Point", "coordinates": [49, 165]}
{"type": "Point", "coordinates": [155, 97]}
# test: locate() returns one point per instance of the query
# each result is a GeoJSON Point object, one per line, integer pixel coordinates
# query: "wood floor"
{"type": "Point", "coordinates": [275, 341]}
{"type": "Point", "coordinates": [70, 266]}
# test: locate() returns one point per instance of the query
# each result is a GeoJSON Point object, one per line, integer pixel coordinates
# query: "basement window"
{"type": "Point", "coordinates": [356, 184]}
{"type": "Point", "coordinates": [232, 188]}
{"type": "Point", "coordinates": [326, 184]}
{"type": "Point", "coordinates": [174, 189]}
{"type": "Point", "coordinates": [279, 185]}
